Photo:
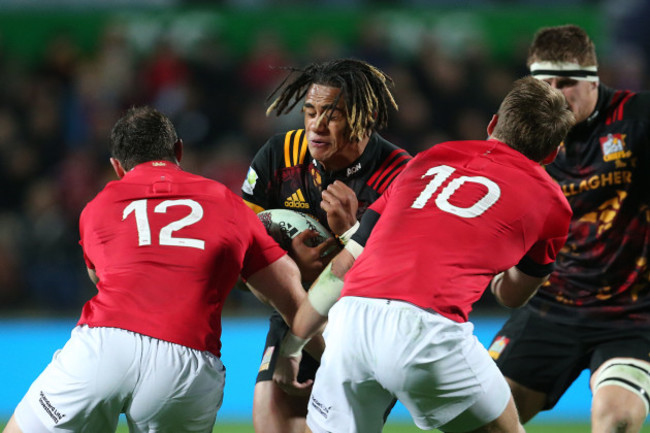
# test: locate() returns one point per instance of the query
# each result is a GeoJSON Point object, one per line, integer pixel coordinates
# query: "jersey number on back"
{"type": "Point", "coordinates": [165, 236]}
{"type": "Point", "coordinates": [442, 173]}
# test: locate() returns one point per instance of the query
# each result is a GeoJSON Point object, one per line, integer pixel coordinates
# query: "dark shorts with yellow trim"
{"type": "Point", "coordinates": [548, 357]}
{"type": "Point", "coordinates": [277, 330]}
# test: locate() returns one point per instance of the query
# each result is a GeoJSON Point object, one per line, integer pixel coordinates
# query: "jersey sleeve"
{"type": "Point", "coordinates": [256, 187]}
{"type": "Point", "coordinates": [379, 204]}
{"type": "Point", "coordinates": [539, 261]}
{"type": "Point", "coordinates": [82, 219]}
{"type": "Point", "coordinates": [368, 221]}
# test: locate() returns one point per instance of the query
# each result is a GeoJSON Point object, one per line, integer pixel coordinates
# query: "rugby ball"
{"type": "Point", "coordinates": [284, 225]}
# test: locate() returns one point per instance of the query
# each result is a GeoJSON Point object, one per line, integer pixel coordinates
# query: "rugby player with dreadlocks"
{"type": "Point", "coordinates": [332, 169]}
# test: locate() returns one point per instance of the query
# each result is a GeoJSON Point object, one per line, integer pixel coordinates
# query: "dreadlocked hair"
{"type": "Point", "coordinates": [365, 89]}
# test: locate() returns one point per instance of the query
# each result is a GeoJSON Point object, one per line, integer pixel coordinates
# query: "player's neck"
{"type": "Point", "coordinates": [350, 153]}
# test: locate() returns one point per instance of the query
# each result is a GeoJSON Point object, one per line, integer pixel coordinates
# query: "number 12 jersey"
{"type": "Point", "coordinates": [168, 246]}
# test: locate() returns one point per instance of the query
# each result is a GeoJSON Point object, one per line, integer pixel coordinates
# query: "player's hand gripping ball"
{"type": "Point", "coordinates": [284, 225]}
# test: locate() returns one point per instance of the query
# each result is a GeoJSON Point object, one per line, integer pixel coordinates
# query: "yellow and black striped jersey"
{"type": "Point", "coordinates": [284, 175]}
{"type": "Point", "coordinates": [602, 275]}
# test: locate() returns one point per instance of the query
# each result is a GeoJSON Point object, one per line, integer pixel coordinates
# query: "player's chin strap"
{"type": "Point", "coordinates": [629, 373]}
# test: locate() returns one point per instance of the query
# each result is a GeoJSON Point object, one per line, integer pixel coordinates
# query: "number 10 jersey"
{"type": "Point", "coordinates": [460, 213]}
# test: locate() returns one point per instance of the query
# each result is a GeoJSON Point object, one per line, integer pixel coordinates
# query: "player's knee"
{"type": "Point", "coordinates": [613, 419]}
{"type": "Point", "coordinates": [629, 374]}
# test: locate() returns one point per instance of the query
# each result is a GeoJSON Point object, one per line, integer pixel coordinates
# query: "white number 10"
{"type": "Point", "coordinates": [165, 236]}
{"type": "Point", "coordinates": [442, 173]}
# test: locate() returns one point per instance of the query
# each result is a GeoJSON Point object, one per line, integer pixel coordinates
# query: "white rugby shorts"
{"type": "Point", "coordinates": [102, 372]}
{"type": "Point", "coordinates": [377, 350]}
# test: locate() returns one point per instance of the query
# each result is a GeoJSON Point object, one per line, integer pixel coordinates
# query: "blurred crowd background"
{"type": "Point", "coordinates": [68, 71]}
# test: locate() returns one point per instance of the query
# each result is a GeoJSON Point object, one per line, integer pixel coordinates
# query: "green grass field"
{"type": "Point", "coordinates": [409, 428]}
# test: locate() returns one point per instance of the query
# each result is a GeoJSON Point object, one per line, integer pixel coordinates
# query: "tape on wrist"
{"type": "Point", "coordinates": [354, 248]}
{"type": "Point", "coordinates": [292, 345]}
{"type": "Point", "coordinates": [345, 237]}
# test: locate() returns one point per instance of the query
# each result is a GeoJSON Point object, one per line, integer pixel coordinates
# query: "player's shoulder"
{"type": "Point", "coordinates": [639, 104]}
{"type": "Point", "coordinates": [624, 104]}
{"type": "Point", "coordinates": [388, 149]}
{"type": "Point", "coordinates": [284, 149]}
{"type": "Point", "coordinates": [388, 160]}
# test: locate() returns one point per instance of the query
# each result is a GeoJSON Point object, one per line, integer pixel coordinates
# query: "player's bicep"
{"type": "Point", "coordinates": [513, 288]}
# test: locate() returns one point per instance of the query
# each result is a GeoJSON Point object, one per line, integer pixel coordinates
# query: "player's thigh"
{"type": "Point", "coordinates": [269, 399]}
{"type": "Point", "coordinates": [85, 386]}
{"type": "Point", "coordinates": [539, 355]}
{"type": "Point", "coordinates": [449, 379]}
{"type": "Point", "coordinates": [180, 389]}
{"type": "Point", "coordinates": [275, 411]}
{"type": "Point", "coordinates": [346, 396]}
{"type": "Point", "coordinates": [275, 334]}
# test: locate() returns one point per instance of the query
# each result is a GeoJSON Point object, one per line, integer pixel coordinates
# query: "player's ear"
{"type": "Point", "coordinates": [492, 124]}
{"type": "Point", "coordinates": [117, 167]}
{"type": "Point", "coordinates": [178, 150]}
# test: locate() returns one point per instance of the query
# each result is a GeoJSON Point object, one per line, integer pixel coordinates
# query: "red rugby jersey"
{"type": "Point", "coordinates": [168, 247]}
{"type": "Point", "coordinates": [459, 213]}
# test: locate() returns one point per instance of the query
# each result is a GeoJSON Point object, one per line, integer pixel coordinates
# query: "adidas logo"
{"type": "Point", "coordinates": [296, 200]}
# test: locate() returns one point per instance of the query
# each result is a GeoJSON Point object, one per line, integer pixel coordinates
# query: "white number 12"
{"type": "Point", "coordinates": [442, 173]}
{"type": "Point", "coordinates": [165, 236]}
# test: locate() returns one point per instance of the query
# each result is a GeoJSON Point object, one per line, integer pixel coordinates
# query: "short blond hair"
{"type": "Point", "coordinates": [533, 118]}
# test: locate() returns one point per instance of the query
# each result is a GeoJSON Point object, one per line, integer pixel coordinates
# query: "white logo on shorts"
{"type": "Point", "coordinates": [50, 409]}
{"type": "Point", "coordinates": [320, 407]}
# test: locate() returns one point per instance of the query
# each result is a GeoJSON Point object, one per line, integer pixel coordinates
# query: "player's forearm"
{"type": "Point", "coordinates": [279, 284]}
{"type": "Point", "coordinates": [308, 322]}
{"type": "Point", "coordinates": [312, 314]}
{"type": "Point", "coordinates": [514, 288]}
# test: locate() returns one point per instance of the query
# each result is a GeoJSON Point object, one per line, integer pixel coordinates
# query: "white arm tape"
{"type": "Point", "coordinates": [354, 248]}
{"type": "Point", "coordinates": [292, 345]}
{"type": "Point", "coordinates": [345, 237]}
{"type": "Point", "coordinates": [325, 291]}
